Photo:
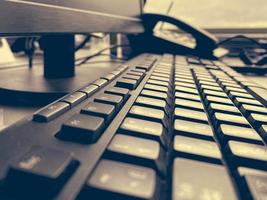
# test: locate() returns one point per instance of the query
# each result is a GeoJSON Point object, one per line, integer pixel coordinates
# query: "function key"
{"type": "Point", "coordinates": [193, 179]}
{"type": "Point", "coordinates": [75, 98]}
{"type": "Point", "coordinates": [117, 180]}
{"type": "Point", "coordinates": [88, 90]}
{"type": "Point", "coordinates": [198, 149]}
{"type": "Point", "coordinates": [100, 82]}
{"type": "Point", "coordinates": [82, 128]}
{"type": "Point", "coordinates": [137, 150]}
{"type": "Point", "coordinates": [40, 171]}
{"type": "Point", "coordinates": [51, 112]}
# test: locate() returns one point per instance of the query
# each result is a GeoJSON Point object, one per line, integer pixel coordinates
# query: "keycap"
{"type": "Point", "coordinates": [193, 180]}
{"type": "Point", "coordinates": [186, 90]}
{"type": "Point", "coordinates": [160, 78]}
{"type": "Point", "coordinates": [152, 103]}
{"type": "Point", "coordinates": [222, 118]}
{"type": "Point", "coordinates": [100, 110]}
{"type": "Point", "coordinates": [144, 129]}
{"type": "Point", "coordinates": [229, 109]}
{"type": "Point", "coordinates": [160, 75]}
{"type": "Point", "coordinates": [257, 185]}
{"type": "Point", "coordinates": [238, 133]}
{"type": "Point", "coordinates": [149, 114]}
{"type": "Point", "coordinates": [220, 100]}
{"type": "Point", "coordinates": [193, 129]}
{"type": "Point", "coordinates": [239, 101]}
{"type": "Point", "coordinates": [138, 151]}
{"type": "Point", "coordinates": [253, 109]}
{"type": "Point", "coordinates": [259, 93]}
{"type": "Point", "coordinates": [198, 149]}
{"type": "Point", "coordinates": [160, 83]}
{"type": "Point", "coordinates": [126, 83]}
{"type": "Point", "coordinates": [189, 104]}
{"type": "Point", "coordinates": [143, 67]}
{"type": "Point", "coordinates": [111, 99]}
{"type": "Point", "coordinates": [182, 84]}
{"type": "Point", "coordinates": [75, 98]}
{"type": "Point", "coordinates": [246, 154]}
{"type": "Point", "coordinates": [263, 131]}
{"type": "Point", "coordinates": [214, 93]}
{"type": "Point", "coordinates": [100, 82]}
{"type": "Point", "coordinates": [88, 90]}
{"type": "Point", "coordinates": [39, 173]}
{"type": "Point", "coordinates": [183, 95]}
{"type": "Point", "coordinates": [242, 171]}
{"type": "Point", "coordinates": [109, 77]}
{"type": "Point", "coordinates": [233, 94]}
{"type": "Point", "coordinates": [125, 93]}
{"type": "Point", "coordinates": [133, 77]}
{"type": "Point", "coordinates": [51, 112]}
{"type": "Point", "coordinates": [136, 73]}
{"type": "Point", "coordinates": [154, 94]}
{"type": "Point", "coordinates": [116, 180]}
{"type": "Point", "coordinates": [192, 115]}
{"type": "Point", "coordinates": [156, 88]}
{"type": "Point", "coordinates": [82, 128]}
{"type": "Point", "coordinates": [213, 88]}
{"type": "Point", "coordinates": [257, 119]}
{"type": "Point", "coordinates": [228, 89]}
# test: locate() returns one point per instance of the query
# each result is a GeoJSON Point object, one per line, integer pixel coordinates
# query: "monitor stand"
{"type": "Point", "coordinates": [35, 86]}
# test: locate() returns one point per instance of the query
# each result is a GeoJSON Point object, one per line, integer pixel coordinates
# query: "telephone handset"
{"type": "Point", "coordinates": [151, 41]}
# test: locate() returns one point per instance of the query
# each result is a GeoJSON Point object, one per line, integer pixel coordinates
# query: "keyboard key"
{"type": "Point", "coordinates": [222, 118]}
{"type": "Point", "coordinates": [100, 110]}
{"type": "Point", "coordinates": [159, 83]}
{"type": "Point", "coordinates": [239, 101]}
{"type": "Point", "coordinates": [156, 88]}
{"type": "Point", "coordinates": [143, 67]}
{"type": "Point", "coordinates": [257, 119]}
{"type": "Point", "coordinates": [149, 114]}
{"type": "Point", "coordinates": [215, 107]}
{"type": "Point", "coordinates": [240, 94]}
{"type": "Point", "coordinates": [154, 94]}
{"type": "Point", "coordinates": [133, 77]}
{"type": "Point", "coordinates": [100, 82]}
{"type": "Point", "coordinates": [75, 98]}
{"type": "Point", "coordinates": [139, 151]}
{"type": "Point", "coordinates": [198, 149]}
{"type": "Point", "coordinates": [152, 103]}
{"type": "Point", "coordinates": [186, 90]}
{"type": "Point", "coordinates": [51, 112]}
{"type": "Point", "coordinates": [160, 78]}
{"type": "Point", "coordinates": [192, 115]}
{"type": "Point", "coordinates": [125, 93]}
{"type": "Point", "coordinates": [116, 180]}
{"type": "Point", "coordinates": [82, 128]}
{"type": "Point", "coordinates": [242, 171]}
{"type": "Point", "coordinates": [88, 90]}
{"type": "Point", "coordinates": [189, 104]}
{"type": "Point", "coordinates": [187, 96]}
{"type": "Point", "coordinates": [193, 180]}
{"type": "Point", "coordinates": [145, 129]}
{"type": "Point", "coordinates": [257, 185]}
{"type": "Point", "coordinates": [253, 109]}
{"type": "Point", "coordinates": [109, 77]}
{"type": "Point", "coordinates": [243, 134]}
{"type": "Point", "coordinates": [259, 93]}
{"type": "Point", "coordinates": [182, 84]}
{"type": "Point", "coordinates": [220, 100]}
{"type": "Point", "coordinates": [193, 129]}
{"type": "Point", "coordinates": [214, 93]}
{"type": "Point", "coordinates": [136, 73]}
{"type": "Point", "coordinates": [250, 155]}
{"type": "Point", "coordinates": [126, 83]}
{"type": "Point", "coordinates": [40, 171]}
{"type": "Point", "coordinates": [111, 99]}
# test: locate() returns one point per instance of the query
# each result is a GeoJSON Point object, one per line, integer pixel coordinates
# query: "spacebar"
{"type": "Point", "coordinates": [259, 93]}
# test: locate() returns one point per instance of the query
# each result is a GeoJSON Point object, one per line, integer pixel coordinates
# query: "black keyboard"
{"type": "Point", "coordinates": [158, 127]}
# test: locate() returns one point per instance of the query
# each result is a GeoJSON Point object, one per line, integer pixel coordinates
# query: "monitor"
{"type": "Point", "coordinates": [57, 21]}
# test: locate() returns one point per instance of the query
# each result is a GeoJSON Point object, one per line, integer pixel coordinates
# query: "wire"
{"type": "Point", "coordinates": [241, 37]}
{"type": "Point", "coordinates": [85, 59]}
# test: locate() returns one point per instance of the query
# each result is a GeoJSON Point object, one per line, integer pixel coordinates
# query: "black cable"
{"type": "Point", "coordinates": [85, 59]}
{"type": "Point", "coordinates": [241, 37]}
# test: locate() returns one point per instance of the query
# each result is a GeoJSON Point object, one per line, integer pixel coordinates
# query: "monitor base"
{"type": "Point", "coordinates": [26, 86]}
